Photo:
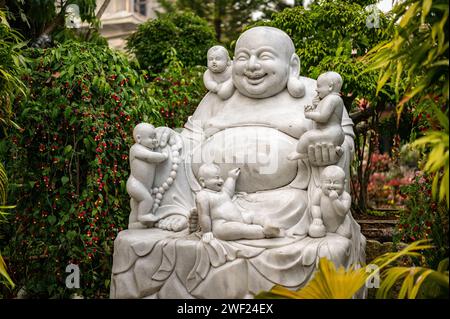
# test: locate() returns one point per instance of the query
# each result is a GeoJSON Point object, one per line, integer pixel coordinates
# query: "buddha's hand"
{"type": "Point", "coordinates": [207, 237]}
{"type": "Point", "coordinates": [163, 135]}
{"type": "Point", "coordinates": [324, 154]}
{"type": "Point", "coordinates": [234, 173]}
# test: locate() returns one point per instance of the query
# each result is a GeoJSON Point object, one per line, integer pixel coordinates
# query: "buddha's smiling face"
{"type": "Point", "coordinates": [261, 62]}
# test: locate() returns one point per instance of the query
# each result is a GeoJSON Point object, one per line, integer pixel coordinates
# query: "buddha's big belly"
{"type": "Point", "coordinates": [260, 152]}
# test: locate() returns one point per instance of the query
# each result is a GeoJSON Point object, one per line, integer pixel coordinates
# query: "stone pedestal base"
{"type": "Point", "coordinates": [153, 263]}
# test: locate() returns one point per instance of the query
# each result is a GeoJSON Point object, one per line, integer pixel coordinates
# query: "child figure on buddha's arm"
{"type": "Point", "coordinates": [217, 78]}
{"type": "Point", "coordinates": [326, 112]}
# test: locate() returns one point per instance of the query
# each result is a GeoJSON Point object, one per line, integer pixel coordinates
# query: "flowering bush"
{"type": "Point", "coordinates": [423, 218]}
{"type": "Point", "coordinates": [177, 91]}
{"type": "Point", "coordinates": [70, 164]}
{"type": "Point", "coordinates": [384, 183]}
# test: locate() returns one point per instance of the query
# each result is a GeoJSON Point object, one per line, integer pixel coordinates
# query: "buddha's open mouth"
{"type": "Point", "coordinates": [255, 78]}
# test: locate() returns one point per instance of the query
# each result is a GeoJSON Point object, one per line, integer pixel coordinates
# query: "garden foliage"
{"type": "Point", "coordinates": [188, 34]}
{"type": "Point", "coordinates": [177, 91]}
{"type": "Point", "coordinates": [69, 164]}
{"type": "Point", "coordinates": [415, 61]}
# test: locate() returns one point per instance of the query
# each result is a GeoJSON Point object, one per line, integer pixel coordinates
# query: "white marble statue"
{"type": "Point", "coordinates": [251, 132]}
{"type": "Point", "coordinates": [330, 205]}
{"type": "Point", "coordinates": [326, 111]}
{"type": "Point", "coordinates": [217, 78]}
{"type": "Point", "coordinates": [219, 216]}
{"type": "Point", "coordinates": [143, 161]}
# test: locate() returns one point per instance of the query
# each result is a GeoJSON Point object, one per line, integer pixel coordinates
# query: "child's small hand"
{"type": "Point", "coordinates": [317, 222]}
{"type": "Point", "coordinates": [308, 108]}
{"type": "Point", "coordinates": [234, 173]}
{"type": "Point", "coordinates": [316, 100]}
{"type": "Point", "coordinates": [333, 195]}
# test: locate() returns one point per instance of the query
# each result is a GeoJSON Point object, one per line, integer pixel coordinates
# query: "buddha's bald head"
{"type": "Point", "coordinates": [267, 36]}
{"type": "Point", "coordinates": [264, 61]}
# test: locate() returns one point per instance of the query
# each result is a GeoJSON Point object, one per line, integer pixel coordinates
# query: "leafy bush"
{"type": "Point", "coordinates": [177, 91]}
{"type": "Point", "coordinates": [424, 218]}
{"type": "Point", "coordinates": [69, 166]}
{"type": "Point", "coordinates": [189, 34]}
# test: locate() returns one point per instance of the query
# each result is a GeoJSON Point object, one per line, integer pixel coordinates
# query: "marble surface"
{"type": "Point", "coordinates": [252, 229]}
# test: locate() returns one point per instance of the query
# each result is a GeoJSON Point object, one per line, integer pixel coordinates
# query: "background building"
{"type": "Point", "coordinates": [122, 17]}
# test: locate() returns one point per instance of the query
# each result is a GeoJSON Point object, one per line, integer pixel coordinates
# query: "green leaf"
{"type": "Point", "coordinates": [67, 149]}
{"type": "Point", "coordinates": [71, 235]}
{"type": "Point", "coordinates": [64, 180]}
{"type": "Point", "coordinates": [51, 219]}
{"type": "Point", "coordinates": [70, 72]}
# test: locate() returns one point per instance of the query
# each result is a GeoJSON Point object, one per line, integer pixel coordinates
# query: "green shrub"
{"type": "Point", "coordinates": [69, 166]}
{"type": "Point", "coordinates": [187, 33]}
{"type": "Point", "coordinates": [177, 91]}
{"type": "Point", "coordinates": [423, 218]}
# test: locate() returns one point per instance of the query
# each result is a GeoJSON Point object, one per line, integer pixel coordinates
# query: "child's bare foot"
{"type": "Point", "coordinates": [271, 231]}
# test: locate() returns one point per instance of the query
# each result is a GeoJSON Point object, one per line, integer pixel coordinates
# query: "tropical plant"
{"type": "Point", "coordinates": [437, 160]}
{"type": "Point", "coordinates": [11, 62]}
{"type": "Point", "coordinates": [188, 34]}
{"type": "Point", "coordinates": [11, 87]}
{"type": "Point", "coordinates": [415, 61]}
{"type": "Point", "coordinates": [331, 283]}
{"type": "Point", "coordinates": [3, 187]}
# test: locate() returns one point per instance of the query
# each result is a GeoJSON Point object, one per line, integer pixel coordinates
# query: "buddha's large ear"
{"type": "Point", "coordinates": [295, 86]}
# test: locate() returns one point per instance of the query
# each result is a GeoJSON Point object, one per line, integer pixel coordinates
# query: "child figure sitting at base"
{"type": "Point", "coordinates": [330, 205]}
{"type": "Point", "coordinates": [219, 217]}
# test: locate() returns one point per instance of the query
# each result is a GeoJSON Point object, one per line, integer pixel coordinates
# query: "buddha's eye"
{"type": "Point", "coordinates": [242, 57]}
{"type": "Point", "coordinates": [266, 56]}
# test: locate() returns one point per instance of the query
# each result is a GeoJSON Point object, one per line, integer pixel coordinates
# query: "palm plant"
{"type": "Point", "coordinates": [10, 87]}
{"type": "Point", "coordinates": [331, 283]}
{"type": "Point", "coordinates": [11, 62]}
{"type": "Point", "coordinates": [416, 61]}
{"type": "Point", "coordinates": [3, 187]}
